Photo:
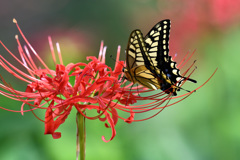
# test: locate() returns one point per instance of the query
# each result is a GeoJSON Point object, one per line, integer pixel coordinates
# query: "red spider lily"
{"type": "Point", "coordinates": [96, 87]}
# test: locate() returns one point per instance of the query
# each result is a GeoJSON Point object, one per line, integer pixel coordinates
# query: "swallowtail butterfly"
{"type": "Point", "coordinates": [148, 62]}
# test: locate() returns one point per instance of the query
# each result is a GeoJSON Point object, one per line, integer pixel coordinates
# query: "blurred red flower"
{"type": "Point", "coordinates": [94, 86]}
{"type": "Point", "coordinates": [197, 18]}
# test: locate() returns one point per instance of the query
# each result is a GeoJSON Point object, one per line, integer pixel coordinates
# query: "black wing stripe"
{"type": "Point", "coordinates": [157, 42]}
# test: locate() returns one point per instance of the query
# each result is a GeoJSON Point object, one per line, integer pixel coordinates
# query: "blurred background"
{"type": "Point", "coordinates": [204, 126]}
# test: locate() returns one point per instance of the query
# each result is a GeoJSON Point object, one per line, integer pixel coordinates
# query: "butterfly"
{"type": "Point", "coordinates": [148, 62]}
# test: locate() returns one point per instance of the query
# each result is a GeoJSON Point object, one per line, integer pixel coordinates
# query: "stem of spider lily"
{"type": "Point", "coordinates": [81, 136]}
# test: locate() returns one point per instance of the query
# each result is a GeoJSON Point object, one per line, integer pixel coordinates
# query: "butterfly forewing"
{"type": "Point", "coordinates": [135, 49]}
{"type": "Point", "coordinates": [157, 43]}
{"type": "Point", "coordinates": [136, 56]}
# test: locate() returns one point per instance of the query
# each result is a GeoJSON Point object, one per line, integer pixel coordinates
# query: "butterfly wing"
{"type": "Point", "coordinates": [145, 77]}
{"type": "Point", "coordinates": [157, 44]}
{"type": "Point", "coordinates": [135, 50]}
{"type": "Point", "coordinates": [136, 55]}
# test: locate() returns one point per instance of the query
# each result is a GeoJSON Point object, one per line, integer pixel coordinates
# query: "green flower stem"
{"type": "Point", "coordinates": [81, 137]}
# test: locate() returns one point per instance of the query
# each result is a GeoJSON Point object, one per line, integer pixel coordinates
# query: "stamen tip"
{"type": "Point", "coordinates": [16, 36]}
{"type": "Point", "coordinates": [14, 20]}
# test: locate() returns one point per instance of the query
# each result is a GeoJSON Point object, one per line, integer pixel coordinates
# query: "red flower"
{"type": "Point", "coordinates": [96, 87]}
{"type": "Point", "coordinates": [197, 18]}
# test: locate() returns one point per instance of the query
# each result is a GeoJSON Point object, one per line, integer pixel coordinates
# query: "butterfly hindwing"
{"type": "Point", "coordinates": [146, 78]}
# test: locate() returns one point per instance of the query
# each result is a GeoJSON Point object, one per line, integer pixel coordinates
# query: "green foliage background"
{"type": "Point", "coordinates": [204, 126]}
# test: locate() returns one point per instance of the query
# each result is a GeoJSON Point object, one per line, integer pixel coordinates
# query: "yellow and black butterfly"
{"type": "Point", "coordinates": [148, 62]}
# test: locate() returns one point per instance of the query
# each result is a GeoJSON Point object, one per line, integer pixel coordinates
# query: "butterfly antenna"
{"type": "Point", "coordinates": [115, 60]}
